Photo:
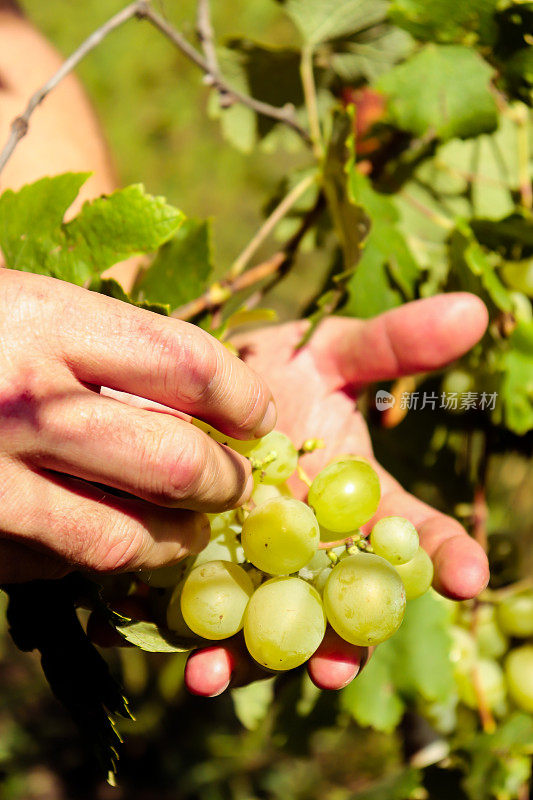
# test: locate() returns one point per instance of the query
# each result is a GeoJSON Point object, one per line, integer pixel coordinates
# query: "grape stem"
{"type": "Point", "coordinates": [260, 463]}
{"type": "Point", "coordinates": [304, 477]}
{"type": "Point", "coordinates": [360, 543]}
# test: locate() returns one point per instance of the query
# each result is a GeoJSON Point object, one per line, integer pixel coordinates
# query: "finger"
{"type": "Point", "coordinates": [416, 337]}
{"type": "Point", "coordinates": [87, 529]}
{"type": "Point", "coordinates": [141, 402]}
{"type": "Point", "coordinates": [336, 662]}
{"type": "Point", "coordinates": [208, 671]}
{"type": "Point", "coordinates": [152, 455]}
{"type": "Point", "coordinates": [106, 342]}
{"type": "Point", "coordinates": [461, 564]}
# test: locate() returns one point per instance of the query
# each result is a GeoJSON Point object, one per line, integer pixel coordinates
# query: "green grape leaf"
{"type": "Point", "coordinates": [398, 786]}
{"type": "Point", "coordinates": [474, 270]}
{"type": "Point", "coordinates": [245, 316]}
{"type": "Point", "coordinates": [323, 20]}
{"type": "Point", "coordinates": [238, 123]}
{"type": "Point", "coordinates": [487, 163]}
{"type": "Point", "coordinates": [269, 74]}
{"type": "Point", "coordinates": [252, 702]}
{"type": "Point", "coordinates": [421, 663]}
{"type": "Point", "coordinates": [42, 616]}
{"type": "Point", "coordinates": [151, 637]}
{"type": "Point", "coordinates": [413, 664]}
{"type": "Point", "coordinates": [513, 49]}
{"type": "Point", "coordinates": [442, 90]}
{"type": "Point", "coordinates": [387, 271]}
{"type": "Point", "coordinates": [34, 238]}
{"type": "Point", "coordinates": [181, 270]}
{"type": "Point", "coordinates": [447, 21]}
{"type": "Point", "coordinates": [370, 53]}
{"type": "Point", "coordinates": [498, 764]}
{"type": "Point", "coordinates": [349, 218]}
{"type": "Point", "coordinates": [517, 384]}
{"type": "Point", "coordinates": [372, 699]}
{"type": "Point", "coordinates": [31, 220]}
{"type": "Point", "coordinates": [511, 237]}
{"type": "Point", "coordinates": [111, 288]}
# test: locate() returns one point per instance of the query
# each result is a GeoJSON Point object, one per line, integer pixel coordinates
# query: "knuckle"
{"type": "Point", "coordinates": [98, 542]}
{"type": "Point", "coordinates": [179, 473]}
{"type": "Point", "coordinates": [189, 360]}
{"type": "Point", "coordinates": [117, 548]}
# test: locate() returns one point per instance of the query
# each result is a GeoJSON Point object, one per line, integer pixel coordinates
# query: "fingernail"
{"type": "Point", "coordinates": [268, 421]}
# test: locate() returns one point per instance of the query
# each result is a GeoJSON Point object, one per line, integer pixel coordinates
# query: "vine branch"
{"type": "Point", "coordinates": [309, 89]}
{"type": "Point", "coordinates": [206, 36]}
{"type": "Point", "coordinates": [20, 125]}
{"type": "Point", "coordinates": [283, 114]}
{"type": "Point", "coordinates": [206, 62]}
{"type": "Point", "coordinates": [274, 268]}
{"type": "Point", "coordinates": [269, 224]}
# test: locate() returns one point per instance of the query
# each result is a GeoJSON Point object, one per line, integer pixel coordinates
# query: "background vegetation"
{"type": "Point", "coordinates": [453, 210]}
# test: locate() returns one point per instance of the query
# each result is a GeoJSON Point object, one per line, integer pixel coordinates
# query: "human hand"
{"type": "Point", "coordinates": [59, 436]}
{"type": "Point", "coordinates": [315, 389]}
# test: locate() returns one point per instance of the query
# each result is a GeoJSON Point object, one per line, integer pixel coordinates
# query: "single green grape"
{"type": "Point", "coordinates": [333, 536]}
{"type": "Point", "coordinates": [242, 446]}
{"type": "Point", "coordinates": [519, 675]}
{"type": "Point", "coordinates": [364, 599]}
{"type": "Point", "coordinates": [345, 495]}
{"type": "Point", "coordinates": [515, 615]}
{"type": "Point", "coordinates": [395, 539]}
{"type": "Point", "coordinates": [416, 575]}
{"type": "Point", "coordinates": [221, 522]}
{"type": "Point", "coordinates": [214, 599]}
{"type": "Point", "coordinates": [285, 461]}
{"type": "Point", "coordinates": [280, 536]}
{"type": "Point", "coordinates": [522, 308]}
{"type": "Point", "coordinates": [284, 623]}
{"type": "Point", "coordinates": [224, 547]}
{"type": "Point", "coordinates": [463, 649]}
{"type": "Point", "coordinates": [165, 577]}
{"type": "Point", "coordinates": [488, 677]}
{"type": "Point", "coordinates": [457, 381]}
{"type": "Point", "coordinates": [519, 276]}
{"type": "Point", "coordinates": [320, 560]}
{"type": "Point", "coordinates": [321, 578]}
{"type": "Point", "coordinates": [491, 641]}
{"type": "Point", "coordinates": [263, 492]}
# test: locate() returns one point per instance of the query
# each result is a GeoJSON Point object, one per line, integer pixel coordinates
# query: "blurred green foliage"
{"type": "Point", "coordinates": [443, 214]}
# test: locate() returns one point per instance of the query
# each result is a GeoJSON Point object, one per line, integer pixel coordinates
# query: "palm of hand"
{"type": "Point", "coordinates": [315, 386]}
{"type": "Point", "coordinates": [311, 397]}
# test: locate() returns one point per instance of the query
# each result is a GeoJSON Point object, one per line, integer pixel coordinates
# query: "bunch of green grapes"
{"type": "Point", "coordinates": [492, 651]}
{"type": "Point", "coordinates": [294, 578]}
